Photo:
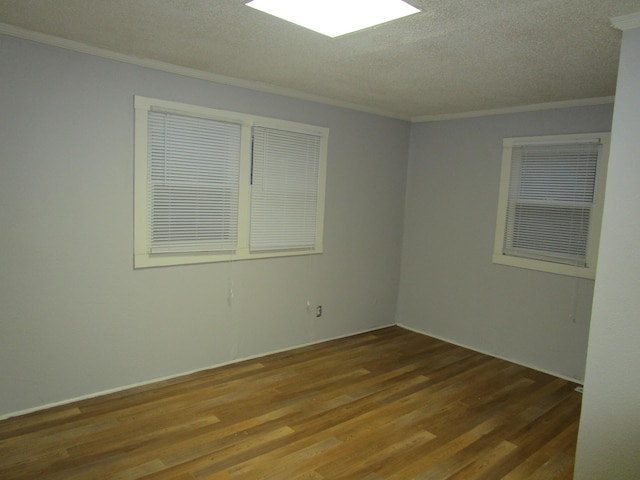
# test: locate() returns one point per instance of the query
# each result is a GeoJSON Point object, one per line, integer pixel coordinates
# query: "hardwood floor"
{"type": "Point", "coordinates": [389, 404]}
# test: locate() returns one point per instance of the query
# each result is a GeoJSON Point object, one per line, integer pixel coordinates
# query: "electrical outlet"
{"type": "Point", "coordinates": [319, 311]}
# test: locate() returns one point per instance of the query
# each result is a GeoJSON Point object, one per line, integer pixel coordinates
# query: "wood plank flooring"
{"type": "Point", "coordinates": [389, 404]}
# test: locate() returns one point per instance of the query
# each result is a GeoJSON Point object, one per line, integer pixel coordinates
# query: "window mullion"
{"type": "Point", "coordinates": [244, 190]}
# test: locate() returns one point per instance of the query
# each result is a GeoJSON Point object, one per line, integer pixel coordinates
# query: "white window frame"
{"type": "Point", "coordinates": [142, 255]}
{"type": "Point", "coordinates": [500, 257]}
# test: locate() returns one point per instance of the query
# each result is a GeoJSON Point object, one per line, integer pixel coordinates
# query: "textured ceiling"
{"type": "Point", "coordinates": [456, 56]}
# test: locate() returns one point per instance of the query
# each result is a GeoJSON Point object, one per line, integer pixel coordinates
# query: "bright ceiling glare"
{"type": "Point", "coordinates": [335, 17]}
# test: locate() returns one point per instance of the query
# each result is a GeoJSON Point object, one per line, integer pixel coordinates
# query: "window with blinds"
{"type": "Point", "coordinates": [213, 185]}
{"type": "Point", "coordinates": [284, 189]}
{"type": "Point", "coordinates": [550, 203]}
{"type": "Point", "coordinates": [193, 179]}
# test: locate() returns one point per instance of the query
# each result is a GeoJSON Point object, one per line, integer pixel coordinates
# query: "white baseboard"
{"type": "Point", "coordinates": [169, 377]}
{"type": "Point", "coordinates": [511, 360]}
{"type": "Point", "coordinates": [253, 357]}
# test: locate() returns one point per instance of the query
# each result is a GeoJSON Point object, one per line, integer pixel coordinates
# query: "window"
{"type": "Point", "coordinates": [212, 185]}
{"type": "Point", "coordinates": [550, 204]}
{"type": "Point", "coordinates": [193, 178]}
{"type": "Point", "coordinates": [284, 196]}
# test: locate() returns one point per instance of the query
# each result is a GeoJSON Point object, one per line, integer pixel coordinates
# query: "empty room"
{"type": "Point", "coordinates": [236, 243]}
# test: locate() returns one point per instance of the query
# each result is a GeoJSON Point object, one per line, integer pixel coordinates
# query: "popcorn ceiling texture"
{"type": "Point", "coordinates": [455, 56]}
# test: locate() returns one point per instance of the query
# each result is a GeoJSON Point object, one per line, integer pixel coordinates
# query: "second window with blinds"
{"type": "Point", "coordinates": [213, 185]}
{"type": "Point", "coordinates": [550, 203]}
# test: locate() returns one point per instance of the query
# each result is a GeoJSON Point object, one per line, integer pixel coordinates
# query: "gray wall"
{"type": "Point", "coordinates": [449, 287]}
{"type": "Point", "coordinates": [609, 438]}
{"type": "Point", "coordinates": [76, 319]}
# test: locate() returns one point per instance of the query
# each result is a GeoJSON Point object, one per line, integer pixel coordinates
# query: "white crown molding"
{"type": "Point", "coordinates": [518, 109]}
{"type": "Point", "coordinates": [73, 45]}
{"type": "Point", "coordinates": [626, 22]}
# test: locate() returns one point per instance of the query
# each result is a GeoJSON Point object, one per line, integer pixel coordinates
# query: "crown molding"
{"type": "Point", "coordinates": [623, 22]}
{"type": "Point", "coordinates": [80, 47]}
{"type": "Point", "coordinates": [518, 109]}
{"type": "Point", "coordinates": [626, 22]}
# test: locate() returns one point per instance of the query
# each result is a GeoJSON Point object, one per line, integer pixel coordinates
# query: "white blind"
{"type": "Point", "coordinates": [550, 201]}
{"type": "Point", "coordinates": [284, 191]}
{"type": "Point", "coordinates": [193, 183]}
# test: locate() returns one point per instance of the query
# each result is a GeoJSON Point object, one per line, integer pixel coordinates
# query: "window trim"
{"type": "Point", "coordinates": [142, 257]}
{"type": "Point", "coordinates": [588, 271]}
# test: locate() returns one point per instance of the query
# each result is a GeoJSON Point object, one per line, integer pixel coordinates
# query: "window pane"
{"type": "Point", "coordinates": [555, 233]}
{"type": "Point", "coordinates": [558, 173]}
{"type": "Point", "coordinates": [193, 183]}
{"type": "Point", "coordinates": [284, 191]}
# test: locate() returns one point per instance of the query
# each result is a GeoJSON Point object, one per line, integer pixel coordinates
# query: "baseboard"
{"type": "Point", "coordinates": [532, 367]}
{"type": "Point", "coordinates": [253, 357]}
{"type": "Point", "coordinates": [169, 377]}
